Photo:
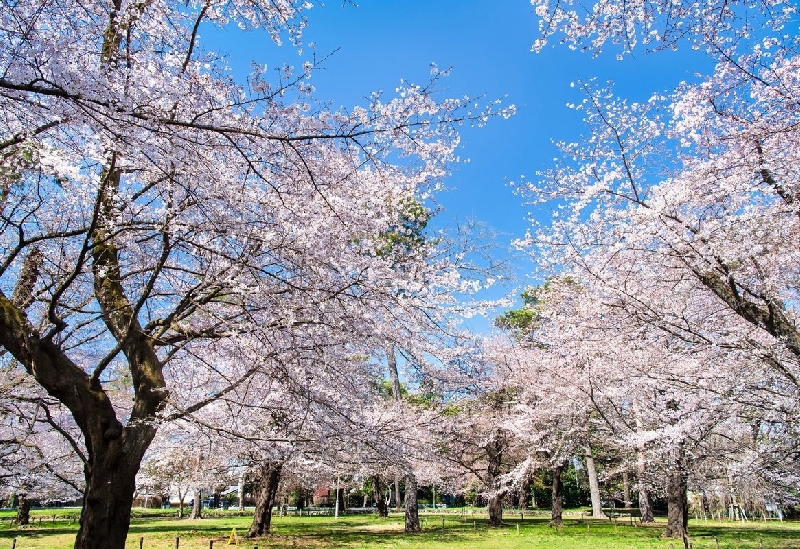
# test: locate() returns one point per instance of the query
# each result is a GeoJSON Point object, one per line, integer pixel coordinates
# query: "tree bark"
{"type": "Point", "coordinates": [108, 497]}
{"type": "Point", "coordinates": [397, 501]}
{"type": "Point", "coordinates": [626, 489]}
{"type": "Point", "coordinates": [524, 492]}
{"type": "Point", "coordinates": [23, 510]}
{"type": "Point", "coordinates": [677, 505]}
{"type": "Point", "coordinates": [377, 490]}
{"type": "Point", "coordinates": [494, 455]}
{"type": "Point", "coordinates": [594, 485]}
{"type": "Point", "coordinates": [645, 508]}
{"type": "Point", "coordinates": [412, 509]}
{"type": "Point", "coordinates": [269, 479]}
{"type": "Point", "coordinates": [197, 506]}
{"type": "Point", "coordinates": [495, 509]}
{"type": "Point", "coordinates": [240, 492]}
{"type": "Point", "coordinates": [557, 509]}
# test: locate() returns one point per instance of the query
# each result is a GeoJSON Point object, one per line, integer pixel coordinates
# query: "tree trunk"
{"type": "Point", "coordinates": [377, 490]}
{"type": "Point", "coordinates": [341, 501]}
{"type": "Point", "coordinates": [240, 492]}
{"type": "Point", "coordinates": [393, 373]}
{"type": "Point", "coordinates": [677, 505]}
{"type": "Point", "coordinates": [397, 501]}
{"type": "Point", "coordinates": [594, 485]}
{"type": "Point", "coordinates": [113, 453]}
{"type": "Point", "coordinates": [494, 455]}
{"type": "Point", "coordinates": [645, 508]}
{"type": "Point", "coordinates": [412, 510]}
{"type": "Point", "coordinates": [197, 507]}
{"type": "Point", "coordinates": [108, 496]}
{"type": "Point", "coordinates": [23, 510]}
{"type": "Point", "coordinates": [496, 509]}
{"type": "Point", "coordinates": [269, 479]}
{"type": "Point", "coordinates": [524, 492]}
{"type": "Point", "coordinates": [626, 489]}
{"type": "Point", "coordinates": [557, 508]}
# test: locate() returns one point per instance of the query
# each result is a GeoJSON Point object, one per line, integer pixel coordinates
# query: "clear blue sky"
{"type": "Point", "coordinates": [487, 42]}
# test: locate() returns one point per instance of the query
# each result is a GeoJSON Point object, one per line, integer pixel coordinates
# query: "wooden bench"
{"type": "Point", "coordinates": [614, 513]}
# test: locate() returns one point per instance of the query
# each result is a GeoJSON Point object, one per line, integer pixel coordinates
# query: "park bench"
{"type": "Point", "coordinates": [614, 513]}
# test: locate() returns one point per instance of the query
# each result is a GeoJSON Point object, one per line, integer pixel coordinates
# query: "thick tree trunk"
{"type": "Point", "coordinates": [197, 506]}
{"type": "Point", "coordinates": [377, 489]}
{"type": "Point", "coordinates": [23, 510]}
{"type": "Point", "coordinates": [557, 508]}
{"type": "Point", "coordinates": [108, 496]}
{"type": "Point", "coordinates": [412, 510]}
{"type": "Point", "coordinates": [269, 479]}
{"type": "Point", "coordinates": [496, 509]}
{"type": "Point", "coordinates": [677, 505]}
{"type": "Point", "coordinates": [594, 485]}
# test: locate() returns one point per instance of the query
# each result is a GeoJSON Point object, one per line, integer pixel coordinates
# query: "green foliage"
{"type": "Point", "coordinates": [407, 234]}
{"type": "Point", "coordinates": [576, 490]}
{"type": "Point", "coordinates": [522, 322]}
{"type": "Point", "coordinates": [385, 389]}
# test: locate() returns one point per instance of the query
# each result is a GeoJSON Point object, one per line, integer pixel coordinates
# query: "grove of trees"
{"type": "Point", "coordinates": [206, 283]}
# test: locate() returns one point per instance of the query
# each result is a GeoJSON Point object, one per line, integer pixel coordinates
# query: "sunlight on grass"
{"type": "Point", "coordinates": [442, 530]}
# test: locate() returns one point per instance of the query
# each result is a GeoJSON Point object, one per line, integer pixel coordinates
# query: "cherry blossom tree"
{"type": "Point", "coordinates": [152, 206]}
{"type": "Point", "coordinates": [680, 213]}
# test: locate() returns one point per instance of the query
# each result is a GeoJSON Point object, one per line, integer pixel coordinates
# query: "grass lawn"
{"type": "Point", "coordinates": [362, 532]}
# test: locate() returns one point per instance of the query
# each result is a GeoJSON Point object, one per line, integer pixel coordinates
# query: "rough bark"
{"type": "Point", "coordinates": [557, 501]}
{"type": "Point", "coordinates": [557, 508]}
{"type": "Point", "coordinates": [397, 501]}
{"type": "Point", "coordinates": [412, 510]}
{"type": "Point", "coordinates": [626, 489]}
{"type": "Point", "coordinates": [594, 485]}
{"type": "Point", "coordinates": [269, 478]}
{"type": "Point", "coordinates": [197, 505]}
{"type": "Point", "coordinates": [645, 507]}
{"type": "Point", "coordinates": [677, 505]}
{"type": "Point", "coordinates": [524, 493]}
{"type": "Point", "coordinates": [770, 314]}
{"type": "Point", "coordinates": [23, 511]}
{"type": "Point", "coordinates": [494, 455]}
{"type": "Point", "coordinates": [240, 492]}
{"type": "Point", "coordinates": [393, 373]}
{"type": "Point", "coordinates": [377, 489]}
{"type": "Point", "coordinates": [495, 509]}
{"type": "Point", "coordinates": [108, 497]}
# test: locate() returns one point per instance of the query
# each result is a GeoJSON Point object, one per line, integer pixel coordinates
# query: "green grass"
{"type": "Point", "coordinates": [363, 532]}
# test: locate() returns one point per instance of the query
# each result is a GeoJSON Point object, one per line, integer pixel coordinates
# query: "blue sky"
{"type": "Point", "coordinates": [487, 43]}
